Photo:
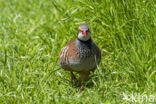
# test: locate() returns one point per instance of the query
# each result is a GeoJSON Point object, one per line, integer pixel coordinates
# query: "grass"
{"type": "Point", "coordinates": [32, 32]}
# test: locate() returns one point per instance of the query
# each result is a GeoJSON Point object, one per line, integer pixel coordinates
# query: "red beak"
{"type": "Point", "coordinates": [84, 33]}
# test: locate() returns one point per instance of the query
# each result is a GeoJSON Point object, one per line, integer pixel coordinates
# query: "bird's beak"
{"type": "Point", "coordinates": [84, 33]}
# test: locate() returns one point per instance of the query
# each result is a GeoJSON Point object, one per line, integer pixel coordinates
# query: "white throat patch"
{"type": "Point", "coordinates": [82, 37]}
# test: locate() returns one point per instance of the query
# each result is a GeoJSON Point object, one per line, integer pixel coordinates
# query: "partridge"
{"type": "Point", "coordinates": [80, 55]}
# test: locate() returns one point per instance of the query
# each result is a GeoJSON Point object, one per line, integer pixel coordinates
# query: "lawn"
{"type": "Point", "coordinates": [32, 32]}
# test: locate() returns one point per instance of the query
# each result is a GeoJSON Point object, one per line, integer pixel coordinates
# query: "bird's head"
{"type": "Point", "coordinates": [84, 33]}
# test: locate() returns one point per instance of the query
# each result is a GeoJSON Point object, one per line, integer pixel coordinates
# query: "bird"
{"type": "Point", "coordinates": [81, 55]}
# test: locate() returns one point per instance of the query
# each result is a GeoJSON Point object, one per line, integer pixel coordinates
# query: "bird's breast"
{"type": "Point", "coordinates": [85, 60]}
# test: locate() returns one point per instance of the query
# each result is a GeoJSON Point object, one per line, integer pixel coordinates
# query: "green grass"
{"type": "Point", "coordinates": [32, 32]}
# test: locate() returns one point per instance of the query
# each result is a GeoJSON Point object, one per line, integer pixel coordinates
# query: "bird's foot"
{"type": "Point", "coordinates": [74, 81]}
{"type": "Point", "coordinates": [81, 88]}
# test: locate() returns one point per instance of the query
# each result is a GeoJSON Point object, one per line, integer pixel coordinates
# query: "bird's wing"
{"type": "Point", "coordinates": [66, 53]}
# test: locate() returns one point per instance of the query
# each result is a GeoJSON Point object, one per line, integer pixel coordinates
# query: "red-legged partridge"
{"type": "Point", "coordinates": [80, 55]}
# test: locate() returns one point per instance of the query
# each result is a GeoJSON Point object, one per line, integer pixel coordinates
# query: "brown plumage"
{"type": "Point", "coordinates": [80, 55]}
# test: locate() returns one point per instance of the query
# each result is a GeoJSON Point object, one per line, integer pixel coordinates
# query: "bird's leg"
{"type": "Point", "coordinates": [84, 76]}
{"type": "Point", "coordinates": [73, 78]}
